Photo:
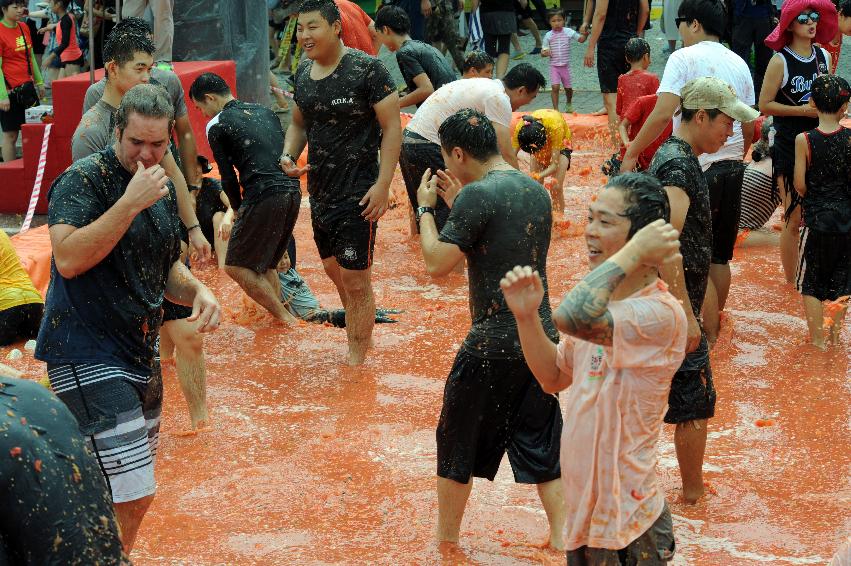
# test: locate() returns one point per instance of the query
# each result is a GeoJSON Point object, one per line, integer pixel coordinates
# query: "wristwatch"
{"type": "Point", "coordinates": [423, 210]}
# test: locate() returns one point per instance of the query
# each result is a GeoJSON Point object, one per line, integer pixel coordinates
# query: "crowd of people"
{"type": "Point", "coordinates": [629, 343]}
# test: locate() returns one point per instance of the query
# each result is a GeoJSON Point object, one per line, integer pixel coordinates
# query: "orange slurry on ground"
{"type": "Point", "coordinates": [310, 462]}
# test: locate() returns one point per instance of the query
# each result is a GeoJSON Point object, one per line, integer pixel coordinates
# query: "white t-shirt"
{"type": "Point", "coordinates": [711, 59]}
{"type": "Point", "coordinates": [485, 95]}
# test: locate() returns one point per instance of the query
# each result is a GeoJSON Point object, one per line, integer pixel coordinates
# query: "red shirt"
{"type": "Point", "coordinates": [12, 50]}
{"type": "Point", "coordinates": [633, 84]}
{"type": "Point", "coordinates": [637, 114]}
{"type": "Point", "coordinates": [356, 24]}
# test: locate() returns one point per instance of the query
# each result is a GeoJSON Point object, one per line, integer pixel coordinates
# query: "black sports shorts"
{"type": "Point", "coordinates": [262, 232]}
{"type": "Point", "coordinates": [724, 179]}
{"type": "Point", "coordinates": [493, 406]}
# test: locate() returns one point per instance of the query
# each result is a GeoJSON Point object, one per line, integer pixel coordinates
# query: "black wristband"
{"type": "Point", "coordinates": [192, 228]}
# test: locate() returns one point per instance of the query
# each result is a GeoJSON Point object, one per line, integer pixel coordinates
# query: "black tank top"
{"type": "Point", "coordinates": [800, 74]}
{"type": "Point", "coordinates": [827, 203]}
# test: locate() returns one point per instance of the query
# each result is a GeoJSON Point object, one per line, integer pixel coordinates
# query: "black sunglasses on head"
{"type": "Point", "coordinates": [679, 21]}
{"type": "Point", "coordinates": [804, 18]}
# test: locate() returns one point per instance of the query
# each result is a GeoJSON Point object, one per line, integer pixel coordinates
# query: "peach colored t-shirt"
{"type": "Point", "coordinates": [612, 417]}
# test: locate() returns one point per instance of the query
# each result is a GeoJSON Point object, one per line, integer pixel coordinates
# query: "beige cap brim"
{"type": "Point", "coordinates": [740, 112]}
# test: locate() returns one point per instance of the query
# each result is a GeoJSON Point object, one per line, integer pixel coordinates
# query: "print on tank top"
{"type": "Point", "coordinates": [801, 74]}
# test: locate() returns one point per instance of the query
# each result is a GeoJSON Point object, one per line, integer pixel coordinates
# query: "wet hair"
{"type": "Point", "coordinates": [479, 60]}
{"type": "Point", "coordinates": [555, 12]}
{"type": "Point", "coordinates": [6, 3]}
{"type": "Point", "coordinates": [205, 164]}
{"type": "Point", "coordinates": [524, 75]}
{"type": "Point", "coordinates": [470, 130]}
{"type": "Point", "coordinates": [150, 101]}
{"type": "Point", "coordinates": [532, 136]}
{"type": "Point", "coordinates": [394, 18]}
{"type": "Point", "coordinates": [326, 8]}
{"type": "Point", "coordinates": [122, 47]}
{"type": "Point", "coordinates": [132, 24]}
{"type": "Point", "coordinates": [711, 14]}
{"type": "Point", "coordinates": [635, 49]}
{"type": "Point", "coordinates": [686, 115]}
{"type": "Point", "coordinates": [844, 7]}
{"type": "Point", "coordinates": [645, 199]}
{"type": "Point", "coordinates": [208, 83]}
{"type": "Point", "coordinates": [829, 93]}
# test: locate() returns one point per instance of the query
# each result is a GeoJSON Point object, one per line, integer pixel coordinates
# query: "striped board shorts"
{"type": "Point", "coordinates": [119, 415]}
{"type": "Point", "coordinates": [759, 200]}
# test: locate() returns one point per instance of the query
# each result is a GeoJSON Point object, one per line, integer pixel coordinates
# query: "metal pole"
{"type": "Point", "coordinates": [91, 42]}
{"type": "Point", "coordinates": [118, 11]}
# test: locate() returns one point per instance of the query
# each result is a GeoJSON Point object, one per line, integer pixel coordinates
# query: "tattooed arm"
{"type": "Point", "coordinates": [584, 311]}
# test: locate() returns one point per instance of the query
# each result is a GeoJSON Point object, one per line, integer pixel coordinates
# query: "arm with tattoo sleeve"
{"type": "Point", "coordinates": [584, 312]}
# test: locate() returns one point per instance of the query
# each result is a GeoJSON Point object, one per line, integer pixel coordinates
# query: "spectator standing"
{"type": "Point", "coordinates": [556, 46]}
{"type": "Point", "coordinates": [21, 306]}
{"type": "Point", "coordinates": [21, 84]}
{"type": "Point", "coordinates": [498, 23]}
{"type": "Point", "coordinates": [163, 12]}
{"type": "Point", "coordinates": [753, 20]}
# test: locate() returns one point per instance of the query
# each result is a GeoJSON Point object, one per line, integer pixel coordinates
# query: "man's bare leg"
{"type": "Point", "coordinates": [690, 444]}
{"type": "Point", "coordinates": [258, 287]}
{"type": "Point", "coordinates": [360, 312]}
{"type": "Point", "coordinates": [720, 275]}
{"type": "Point", "coordinates": [610, 101]}
{"type": "Point", "coordinates": [220, 245]}
{"type": "Point", "coordinates": [452, 498]}
{"type": "Point", "coordinates": [129, 516]}
{"type": "Point", "coordinates": [552, 499]}
{"type": "Point", "coordinates": [710, 313]}
{"type": "Point", "coordinates": [332, 270]}
{"type": "Point", "coordinates": [191, 369]}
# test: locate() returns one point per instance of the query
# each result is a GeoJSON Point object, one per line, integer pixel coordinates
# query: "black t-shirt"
{"type": "Point", "coordinates": [208, 197]}
{"type": "Point", "coordinates": [621, 21]}
{"type": "Point", "coordinates": [110, 313]}
{"type": "Point", "coordinates": [675, 165]}
{"type": "Point", "coordinates": [827, 203]}
{"type": "Point", "coordinates": [497, 5]}
{"type": "Point", "coordinates": [56, 505]}
{"type": "Point", "coordinates": [415, 58]}
{"type": "Point", "coordinates": [343, 134]}
{"type": "Point", "coordinates": [502, 220]}
{"type": "Point", "coordinates": [249, 137]}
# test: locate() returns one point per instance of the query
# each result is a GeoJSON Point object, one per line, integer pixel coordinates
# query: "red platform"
{"type": "Point", "coordinates": [17, 177]}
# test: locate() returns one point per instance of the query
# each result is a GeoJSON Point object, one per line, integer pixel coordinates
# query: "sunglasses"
{"type": "Point", "coordinates": [679, 21]}
{"type": "Point", "coordinates": [804, 19]}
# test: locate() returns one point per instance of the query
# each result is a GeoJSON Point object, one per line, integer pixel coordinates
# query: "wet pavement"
{"type": "Point", "coordinates": [311, 462]}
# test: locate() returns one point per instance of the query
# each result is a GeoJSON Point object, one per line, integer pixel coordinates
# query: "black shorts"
{"type": "Point", "coordinates": [20, 322]}
{"type": "Point", "coordinates": [522, 13]}
{"type": "Point", "coordinates": [79, 61]}
{"type": "Point", "coordinates": [342, 233]}
{"type": "Point", "coordinates": [692, 396]}
{"type": "Point", "coordinates": [724, 179]}
{"type": "Point", "coordinates": [655, 547]}
{"type": "Point", "coordinates": [494, 406]}
{"type": "Point", "coordinates": [611, 63]}
{"type": "Point", "coordinates": [173, 311]}
{"type": "Point", "coordinates": [824, 271]}
{"type": "Point", "coordinates": [205, 211]}
{"type": "Point", "coordinates": [262, 232]}
{"type": "Point", "coordinates": [496, 45]}
{"type": "Point", "coordinates": [417, 155]}
{"type": "Point", "coordinates": [12, 119]}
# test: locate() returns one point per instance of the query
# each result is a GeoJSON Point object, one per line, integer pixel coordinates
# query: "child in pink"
{"type": "Point", "coordinates": [556, 46]}
{"type": "Point", "coordinates": [627, 337]}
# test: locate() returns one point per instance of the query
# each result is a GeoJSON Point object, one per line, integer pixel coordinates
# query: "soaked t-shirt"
{"type": "Point", "coordinates": [502, 220]}
{"type": "Point", "coordinates": [827, 203]}
{"type": "Point", "coordinates": [675, 165]}
{"type": "Point", "coordinates": [343, 134]}
{"type": "Point", "coordinates": [249, 138]}
{"type": "Point", "coordinates": [95, 131]}
{"type": "Point", "coordinates": [613, 416]}
{"type": "Point", "coordinates": [109, 313]}
{"type": "Point", "coordinates": [168, 79]}
{"type": "Point", "coordinates": [56, 505]}
{"type": "Point", "coordinates": [415, 58]}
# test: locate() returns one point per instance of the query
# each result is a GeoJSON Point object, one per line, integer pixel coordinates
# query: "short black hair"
{"type": "Point", "coordinates": [532, 136]}
{"type": "Point", "coordinates": [636, 48]}
{"type": "Point", "coordinates": [829, 93]}
{"type": "Point", "coordinates": [393, 17]}
{"type": "Point", "coordinates": [208, 83]}
{"type": "Point", "coordinates": [844, 7]}
{"type": "Point", "coordinates": [555, 12]}
{"type": "Point", "coordinates": [479, 60]}
{"type": "Point", "coordinates": [686, 115]}
{"type": "Point", "coordinates": [6, 3]}
{"type": "Point", "coordinates": [205, 164]}
{"type": "Point", "coordinates": [120, 47]}
{"type": "Point", "coordinates": [132, 24]}
{"type": "Point", "coordinates": [470, 130]}
{"type": "Point", "coordinates": [326, 8]}
{"type": "Point", "coordinates": [526, 75]}
{"type": "Point", "coordinates": [711, 14]}
{"type": "Point", "coordinates": [645, 198]}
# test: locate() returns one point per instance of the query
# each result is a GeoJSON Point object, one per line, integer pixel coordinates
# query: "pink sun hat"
{"type": "Point", "coordinates": [828, 24]}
